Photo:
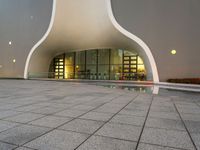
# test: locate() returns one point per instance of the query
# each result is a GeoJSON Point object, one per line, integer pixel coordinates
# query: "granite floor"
{"type": "Point", "coordinates": [49, 115]}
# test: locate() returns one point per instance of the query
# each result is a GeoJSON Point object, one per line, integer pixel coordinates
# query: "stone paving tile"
{"type": "Point", "coordinates": [105, 143]}
{"type": "Point", "coordinates": [27, 108]}
{"type": "Point", "coordinates": [62, 100]}
{"type": "Point", "coordinates": [70, 113]}
{"type": "Point", "coordinates": [83, 126]}
{"type": "Point", "coordinates": [171, 138]}
{"type": "Point", "coordinates": [10, 106]}
{"type": "Point", "coordinates": [181, 103]}
{"type": "Point", "coordinates": [163, 109]}
{"type": "Point", "coordinates": [134, 106]}
{"type": "Point", "coordinates": [24, 117]}
{"type": "Point", "coordinates": [193, 126]}
{"type": "Point", "coordinates": [21, 134]}
{"type": "Point", "coordinates": [189, 110]}
{"type": "Point", "coordinates": [143, 146]}
{"type": "Point", "coordinates": [109, 108]}
{"type": "Point", "coordinates": [83, 107]}
{"type": "Point", "coordinates": [7, 113]}
{"type": "Point", "coordinates": [122, 100]}
{"type": "Point", "coordinates": [5, 146]}
{"type": "Point", "coordinates": [134, 112]}
{"type": "Point", "coordinates": [124, 132]}
{"type": "Point", "coordinates": [126, 119]}
{"type": "Point", "coordinates": [164, 115]}
{"type": "Point", "coordinates": [62, 106]}
{"type": "Point", "coordinates": [23, 148]}
{"type": "Point", "coordinates": [47, 110]}
{"type": "Point", "coordinates": [196, 139]}
{"type": "Point", "coordinates": [190, 117]}
{"type": "Point", "coordinates": [97, 116]}
{"type": "Point", "coordinates": [58, 140]}
{"type": "Point", "coordinates": [159, 103]}
{"type": "Point", "coordinates": [50, 121]}
{"type": "Point", "coordinates": [165, 123]}
{"type": "Point", "coordinates": [4, 125]}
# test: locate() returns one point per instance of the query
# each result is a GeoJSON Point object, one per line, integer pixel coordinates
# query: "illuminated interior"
{"type": "Point", "coordinates": [99, 64]}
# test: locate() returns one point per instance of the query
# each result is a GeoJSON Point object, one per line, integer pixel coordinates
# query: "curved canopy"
{"type": "Point", "coordinates": [81, 25]}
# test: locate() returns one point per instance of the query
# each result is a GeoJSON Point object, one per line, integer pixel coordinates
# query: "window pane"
{"type": "Point", "coordinates": [103, 72]}
{"type": "Point", "coordinates": [103, 56]}
{"type": "Point", "coordinates": [80, 72]}
{"type": "Point", "coordinates": [116, 56]}
{"type": "Point", "coordinates": [80, 58]}
{"type": "Point", "coordinates": [69, 58]}
{"type": "Point", "coordinates": [116, 72]}
{"type": "Point", "coordinates": [92, 57]}
{"type": "Point", "coordinates": [69, 72]}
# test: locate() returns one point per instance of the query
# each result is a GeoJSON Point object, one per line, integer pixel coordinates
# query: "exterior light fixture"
{"type": "Point", "coordinates": [14, 60]}
{"type": "Point", "coordinates": [10, 43]}
{"type": "Point", "coordinates": [173, 52]}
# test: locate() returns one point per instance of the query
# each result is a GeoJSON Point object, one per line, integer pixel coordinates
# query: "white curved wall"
{"type": "Point", "coordinates": [80, 25]}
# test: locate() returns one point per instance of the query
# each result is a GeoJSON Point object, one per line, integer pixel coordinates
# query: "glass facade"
{"type": "Point", "coordinates": [101, 64]}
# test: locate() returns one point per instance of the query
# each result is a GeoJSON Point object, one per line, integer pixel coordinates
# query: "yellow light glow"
{"type": "Point", "coordinates": [14, 60]}
{"type": "Point", "coordinates": [140, 61]}
{"type": "Point", "coordinates": [77, 67]}
{"type": "Point", "coordinates": [173, 52]}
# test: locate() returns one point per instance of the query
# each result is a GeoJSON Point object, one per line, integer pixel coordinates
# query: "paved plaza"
{"type": "Point", "coordinates": [49, 115]}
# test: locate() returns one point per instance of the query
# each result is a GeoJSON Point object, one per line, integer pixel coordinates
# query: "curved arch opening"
{"type": "Point", "coordinates": [95, 29]}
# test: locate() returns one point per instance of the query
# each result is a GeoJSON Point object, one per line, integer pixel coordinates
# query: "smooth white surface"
{"type": "Point", "coordinates": [79, 25]}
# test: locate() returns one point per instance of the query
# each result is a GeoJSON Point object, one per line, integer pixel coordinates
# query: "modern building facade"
{"type": "Point", "coordinates": [100, 39]}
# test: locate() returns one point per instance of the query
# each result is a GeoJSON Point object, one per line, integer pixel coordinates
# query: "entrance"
{"type": "Point", "coordinates": [99, 64]}
{"type": "Point", "coordinates": [130, 63]}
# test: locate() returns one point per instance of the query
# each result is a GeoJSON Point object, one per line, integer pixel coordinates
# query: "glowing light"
{"type": "Point", "coordinates": [10, 43]}
{"type": "Point", "coordinates": [173, 52]}
{"type": "Point", "coordinates": [14, 60]}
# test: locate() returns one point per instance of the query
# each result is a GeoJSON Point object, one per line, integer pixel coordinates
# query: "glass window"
{"type": "Point", "coordinates": [91, 57]}
{"type": "Point", "coordinates": [140, 61]}
{"type": "Point", "coordinates": [69, 58]}
{"type": "Point", "coordinates": [116, 56]}
{"type": "Point", "coordinates": [128, 53]}
{"type": "Point", "coordinates": [80, 72]}
{"type": "Point", "coordinates": [116, 72]}
{"type": "Point", "coordinates": [69, 72]}
{"type": "Point", "coordinates": [80, 58]}
{"type": "Point", "coordinates": [103, 56]}
{"type": "Point", "coordinates": [103, 72]}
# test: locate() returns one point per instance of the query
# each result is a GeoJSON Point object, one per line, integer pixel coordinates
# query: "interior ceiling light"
{"type": "Point", "coordinates": [10, 43]}
{"type": "Point", "coordinates": [14, 60]}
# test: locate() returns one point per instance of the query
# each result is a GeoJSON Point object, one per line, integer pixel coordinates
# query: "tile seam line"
{"type": "Point", "coordinates": [44, 115]}
{"type": "Point", "coordinates": [195, 147]}
{"type": "Point", "coordinates": [106, 122]}
{"type": "Point", "coordinates": [68, 121]}
{"type": "Point", "coordinates": [152, 98]}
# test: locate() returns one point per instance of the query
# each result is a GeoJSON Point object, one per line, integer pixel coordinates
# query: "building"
{"type": "Point", "coordinates": [100, 39]}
